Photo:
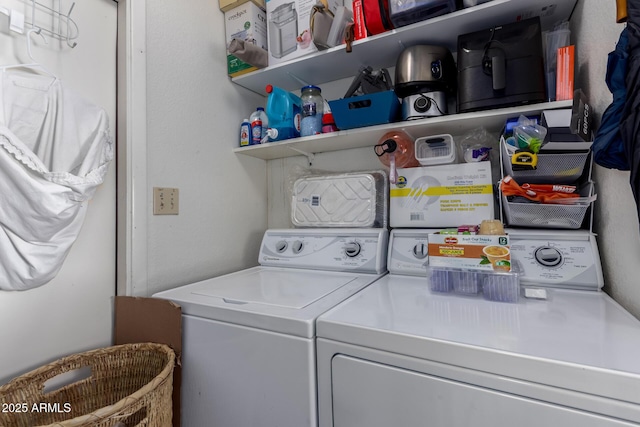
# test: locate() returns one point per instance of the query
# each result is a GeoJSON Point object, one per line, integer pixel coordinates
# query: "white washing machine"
{"type": "Point", "coordinates": [249, 337]}
{"type": "Point", "coordinates": [397, 354]}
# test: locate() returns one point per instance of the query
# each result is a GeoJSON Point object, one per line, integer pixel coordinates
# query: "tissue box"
{"type": "Point", "coordinates": [246, 22]}
{"type": "Point", "coordinates": [442, 196]}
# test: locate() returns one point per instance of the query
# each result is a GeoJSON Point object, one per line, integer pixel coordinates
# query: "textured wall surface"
{"type": "Point", "coordinates": [595, 33]}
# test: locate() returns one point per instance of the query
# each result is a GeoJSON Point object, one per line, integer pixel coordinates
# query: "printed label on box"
{"type": "Point", "coordinates": [479, 252]}
{"type": "Point", "coordinates": [288, 28]}
{"type": "Point", "coordinates": [247, 23]}
{"type": "Point", "coordinates": [442, 196]}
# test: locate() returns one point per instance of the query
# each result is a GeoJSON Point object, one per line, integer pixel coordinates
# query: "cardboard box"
{"type": "Point", "coordinates": [247, 22]}
{"type": "Point", "coordinates": [442, 196]}
{"type": "Point", "coordinates": [565, 73]}
{"type": "Point", "coordinates": [288, 28]}
{"type": "Point", "coordinates": [227, 5]}
{"type": "Point", "coordinates": [470, 252]}
{"type": "Point", "coordinates": [360, 30]}
{"type": "Point", "coordinates": [152, 320]}
{"type": "Point", "coordinates": [560, 135]}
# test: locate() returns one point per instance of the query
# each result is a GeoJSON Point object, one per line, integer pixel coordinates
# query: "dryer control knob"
{"type": "Point", "coordinates": [420, 251]}
{"type": "Point", "coordinates": [548, 256]}
{"type": "Point", "coordinates": [297, 247]}
{"type": "Point", "coordinates": [352, 249]}
{"type": "Point", "coordinates": [281, 246]}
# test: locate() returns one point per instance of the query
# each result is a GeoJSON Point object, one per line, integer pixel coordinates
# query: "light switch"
{"type": "Point", "coordinates": [165, 201]}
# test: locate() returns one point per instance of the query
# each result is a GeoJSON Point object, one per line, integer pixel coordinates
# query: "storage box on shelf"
{"type": "Point", "coordinates": [245, 22]}
{"type": "Point", "coordinates": [226, 5]}
{"type": "Point", "coordinates": [365, 110]}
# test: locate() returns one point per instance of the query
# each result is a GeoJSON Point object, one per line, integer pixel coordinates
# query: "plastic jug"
{"type": "Point", "coordinates": [283, 112]}
{"type": "Point", "coordinates": [396, 150]}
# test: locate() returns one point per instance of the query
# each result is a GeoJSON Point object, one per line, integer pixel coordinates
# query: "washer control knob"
{"type": "Point", "coordinates": [281, 246]}
{"type": "Point", "coordinates": [352, 249]}
{"type": "Point", "coordinates": [548, 256]}
{"type": "Point", "coordinates": [420, 251]}
{"type": "Point", "coordinates": [297, 247]}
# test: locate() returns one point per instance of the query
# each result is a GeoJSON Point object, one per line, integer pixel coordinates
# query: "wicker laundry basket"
{"type": "Point", "coordinates": [129, 385]}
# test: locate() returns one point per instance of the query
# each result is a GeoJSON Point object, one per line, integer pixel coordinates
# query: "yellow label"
{"type": "Point", "coordinates": [442, 191]}
{"type": "Point", "coordinates": [451, 251]}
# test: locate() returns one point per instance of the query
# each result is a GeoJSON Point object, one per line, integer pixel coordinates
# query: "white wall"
{"type": "Point", "coordinates": [73, 312]}
{"type": "Point", "coordinates": [616, 221]}
{"type": "Point", "coordinates": [193, 120]}
{"type": "Point", "coordinates": [595, 34]}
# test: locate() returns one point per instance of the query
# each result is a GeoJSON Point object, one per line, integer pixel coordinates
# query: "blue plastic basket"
{"type": "Point", "coordinates": [365, 110]}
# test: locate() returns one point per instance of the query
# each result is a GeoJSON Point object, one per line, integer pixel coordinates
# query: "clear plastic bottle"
{"type": "Point", "coordinates": [312, 109]}
{"type": "Point", "coordinates": [259, 125]}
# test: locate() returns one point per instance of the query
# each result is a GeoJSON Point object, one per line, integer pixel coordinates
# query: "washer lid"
{"type": "Point", "coordinates": [284, 300]}
{"type": "Point", "coordinates": [275, 287]}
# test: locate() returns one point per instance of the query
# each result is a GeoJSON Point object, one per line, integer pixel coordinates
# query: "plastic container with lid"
{"type": "Point", "coordinates": [435, 150]}
{"type": "Point", "coordinates": [312, 109]}
{"type": "Point", "coordinates": [283, 113]}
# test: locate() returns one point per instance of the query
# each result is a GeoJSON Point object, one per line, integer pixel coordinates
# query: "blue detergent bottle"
{"type": "Point", "coordinates": [283, 111]}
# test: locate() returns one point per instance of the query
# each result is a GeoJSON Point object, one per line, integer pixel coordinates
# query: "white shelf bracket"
{"type": "Point", "coordinates": [310, 156]}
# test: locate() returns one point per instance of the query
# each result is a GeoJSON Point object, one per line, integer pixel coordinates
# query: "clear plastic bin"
{"type": "Point", "coordinates": [435, 150]}
{"type": "Point", "coordinates": [503, 286]}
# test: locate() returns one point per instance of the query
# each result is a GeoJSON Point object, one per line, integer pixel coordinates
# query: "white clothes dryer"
{"type": "Point", "coordinates": [249, 337]}
{"type": "Point", "coordinates": [398, 354]}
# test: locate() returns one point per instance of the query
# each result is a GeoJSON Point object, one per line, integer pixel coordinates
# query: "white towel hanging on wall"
{"type": "Point", "coordinates": [55, 149]}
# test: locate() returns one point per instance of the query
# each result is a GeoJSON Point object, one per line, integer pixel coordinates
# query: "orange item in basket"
{"type": "Point", "coordinates": [543, 193]}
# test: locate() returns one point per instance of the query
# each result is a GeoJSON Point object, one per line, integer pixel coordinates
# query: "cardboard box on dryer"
{"type": "Point", "coordinates": [472, 252]}
{"type": "Point", "coordinates": [442, 196]}
{"type": "Point", "coordinates": [247, 22]}
{"type": "Point", "coordinates": [288, 28]}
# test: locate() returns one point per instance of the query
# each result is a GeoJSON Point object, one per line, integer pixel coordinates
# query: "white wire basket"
{"type": "Point", "coordinates": [550, 215]}
{"type": "Point", "coordinates": [552, 168]}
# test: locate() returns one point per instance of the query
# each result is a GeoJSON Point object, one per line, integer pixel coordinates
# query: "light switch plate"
{"type": "Point", "coordinates": [165, 201]}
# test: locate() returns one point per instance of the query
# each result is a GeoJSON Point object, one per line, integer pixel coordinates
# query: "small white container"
{"type": "Point", "coordinates": [435, 150]}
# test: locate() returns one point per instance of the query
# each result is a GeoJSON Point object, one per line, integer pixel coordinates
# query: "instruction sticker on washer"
{"type": "Point", "coordinates": [442, 196]}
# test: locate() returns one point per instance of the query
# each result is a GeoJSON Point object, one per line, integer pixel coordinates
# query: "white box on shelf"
{"type": "Point", "coordinates": [247, 22]}
{"type": "Point", "coordinates": [288, 28]}
{"type": "Point", "coordinates": [227, 5]}
{"type": "Point", "coordinates": [442, 196]}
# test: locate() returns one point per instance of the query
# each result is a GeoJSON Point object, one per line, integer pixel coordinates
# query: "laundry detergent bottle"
{"type": "Point", "coordinates": [283, 111]}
